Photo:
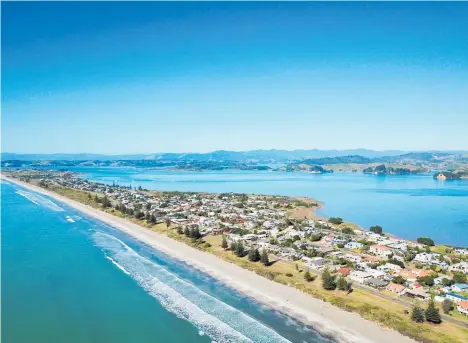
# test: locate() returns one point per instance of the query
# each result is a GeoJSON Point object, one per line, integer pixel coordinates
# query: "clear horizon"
{"type": "Point", "coordinates": [115, 78]}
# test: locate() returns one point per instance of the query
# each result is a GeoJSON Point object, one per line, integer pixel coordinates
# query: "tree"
{"type": "Point", "coordinates": [432, 313]}
{"type": "Point", "coordinates": [224, 243]}
{"type": "Point", "coordinates": [147, 216]}
{"type": "Point", "coordinates": [348, 231]}
{"type": "Point", "coordinates": [328, 280]}
{"type": "Point", "coordinates": [138, 214]}
{"type": "Point", "coordinates": [179, 230]}
{"type": "Point", "coordinates": [342, 284]}
{"type": "Point", "coordinates": [240, 249]}
{"type": "Point", "coordinates": [96, 198]}
{"type": "Point", "coordinates": [376, 229]}
{"type": "Point", "coordinates": [335, 220]}
{"type": "Point", "coordinates": [168, 222]}
{"type": "Point", "coordinates": [153, 219]}
{"type": "Point", "coordinates": [233, 246]}
{"type": "Point", "coordinates": [447, 306]}
{"type": "Point", "coordinates": [195, 233]}
{"type": "Point", "coordinates": [399, 280]}
{"type": "Point", "coordinates": [459, 277]}
{"type": "Point", "coordinates": [264, 257]}
{"type": "Point", "coordinates": [308, 277]}
{"type": "Point", "coordinates": [148, 206]}
{"type": "Point", "coordinates": [89, 196]}
{"type": "Point", "coordinates": [315, 237]}
{"type": "Point", "coordinates": [446, 282]}
{"type": "Point", "coordinates": [187, 231]}
{"type": "Point", "coordinates": [425, 241]}
{"type": "Point", "coordinates": [254, 255]}
{"type": "Point", "coordinates": [426, 280]}
{"type": "Point", "coordinates": [417, 314]}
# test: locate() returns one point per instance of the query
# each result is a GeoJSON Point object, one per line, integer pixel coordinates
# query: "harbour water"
{"type": "Point", "coordinates": [408, 206]}
{"type": "Point", "coordinates": [69, 278]}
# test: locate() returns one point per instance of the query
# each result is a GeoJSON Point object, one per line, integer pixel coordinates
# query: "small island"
{"type": "Point", "coordinates": [384, 170]}
{"type": "Point", "coordinates": [451, 175]}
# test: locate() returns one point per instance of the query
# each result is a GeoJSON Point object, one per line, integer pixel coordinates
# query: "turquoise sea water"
{"type": "Point", "coordinates": [70, 278]}
{"type": "Point", "coordinates": [408, 206]}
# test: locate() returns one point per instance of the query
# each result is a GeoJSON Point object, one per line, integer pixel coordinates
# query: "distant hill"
{"type": "Point", "coordinates": [313, 156]}
{"type": "Point", "coordinates": [219, 155]}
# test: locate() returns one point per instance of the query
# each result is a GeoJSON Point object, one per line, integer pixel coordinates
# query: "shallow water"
{"type": "Point", "coordinates": [67, 277]}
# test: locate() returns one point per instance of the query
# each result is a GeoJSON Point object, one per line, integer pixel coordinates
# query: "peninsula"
{"type": "Point", "coordinates": [329, 261]}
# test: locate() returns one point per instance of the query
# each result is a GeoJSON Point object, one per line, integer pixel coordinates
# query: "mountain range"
{"type": "Point", "coordinates": [353, 156]}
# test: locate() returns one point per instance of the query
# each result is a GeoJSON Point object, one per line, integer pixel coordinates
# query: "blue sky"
{"type": "Point", "coordinates": [158, 77]}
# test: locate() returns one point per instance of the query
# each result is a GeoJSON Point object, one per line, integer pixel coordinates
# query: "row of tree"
{"type": "Point", "coordinates": [254, 255]}
{"type": "Point", "coordinates": [193, 232]}
{"type": "Point", "coordinates": [431, 314]}
{"type": "Point", "coordinates": [330, 282]}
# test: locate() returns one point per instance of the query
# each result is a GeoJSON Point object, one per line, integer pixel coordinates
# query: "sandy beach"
{"type": "Point", "coordinates": [331, 321]}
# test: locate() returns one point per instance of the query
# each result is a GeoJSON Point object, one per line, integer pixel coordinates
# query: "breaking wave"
{"type": "Point", "coordinates": [218, 320]}
{"type": "Point", "coordinates": [40, 201]}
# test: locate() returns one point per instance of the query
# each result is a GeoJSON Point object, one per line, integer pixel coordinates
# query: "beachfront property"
{"type": "Point", "coordinates": [462, 307]}
{"type": "Point", "coordinates": [360, 276]}
{"type": "Point", "coordinates": [418, 293]}
{"type": "Point", "coordinates": [396, 288]}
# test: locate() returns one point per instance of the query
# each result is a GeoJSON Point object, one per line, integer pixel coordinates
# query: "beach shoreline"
{"type": "Point", "coordinates": [330, 321]}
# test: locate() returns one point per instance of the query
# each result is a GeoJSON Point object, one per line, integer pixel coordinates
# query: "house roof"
{"type": "Point", "coordinates": [395, 287]}
{"type": "Point", "coordinates": [376, 282]}
{"type": "Point", "coordinates": [461, 285]}
{"type": "Point", "coordinates": [463, 304]}
{"type": "Point", "coordinates": [380, 247]}
{"type": "Point", "coordinates": [457, 296]}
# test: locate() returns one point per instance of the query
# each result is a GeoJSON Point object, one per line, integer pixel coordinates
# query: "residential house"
{"type": "Point", "coordinates": [459, 267]}
{"type": "Point", "coordinates": [456, 298]}
{"type": "Point", "coordinates": [376, 283]}
{"type": "Point", "coordinates": [396, 288]}
{"type": "Point", "coordinates": [381, 250]}
{"type": "Point", "coordinates": [317, 263]}
{"type": "Point", "coordinates": [418, 293]}
{"type": "Point", "coordinates": [389, 267]}
{"type": "Point", "coordinates": [462, 307]}
{"type": "Point", "coordinates": [460, 287]}
{"type": "Point", "coordinates": [344, 271]}
{"type": "Point", "coordinates": [354, 245]}
{"type": "Point", "coordinates": [352, 258]}
{"type": "Point", "coordinates": [439, 280]}
{"type": "Point", "coordinates": [359, 276]}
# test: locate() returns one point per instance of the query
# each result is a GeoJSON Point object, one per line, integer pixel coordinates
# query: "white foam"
{"type": "Point", "coordinates": [70, 219]}
{"type": "Point", "coordinates": [117, 265]}
{"type": "Point", "coordinates": [40, 201]}
{"type": "Point", "coordinates": [218, 320]}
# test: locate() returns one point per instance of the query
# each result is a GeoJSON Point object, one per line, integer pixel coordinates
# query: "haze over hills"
{"type": "Point", "coordinates": [360, 155]}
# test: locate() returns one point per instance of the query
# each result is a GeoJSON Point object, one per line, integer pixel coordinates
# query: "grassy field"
{"type": "Point", "coordinates": [371, 307]}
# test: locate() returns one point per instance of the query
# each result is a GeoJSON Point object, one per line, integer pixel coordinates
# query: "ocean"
{"type": "Point", "coordinates": [408, 206]}
{"type": "Point", "coordinates": [70, 278]}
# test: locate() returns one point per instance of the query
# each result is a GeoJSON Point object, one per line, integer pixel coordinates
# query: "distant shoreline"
{"type": "Point", "coordinates": [341, 326]}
